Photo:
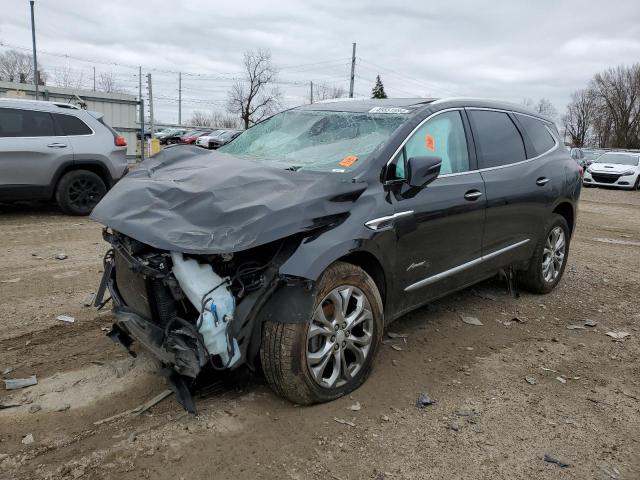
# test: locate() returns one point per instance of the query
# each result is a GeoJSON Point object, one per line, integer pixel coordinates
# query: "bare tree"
{"type": "Point", "coordinates": [322, 91]}
{"type": "Point", "coordinates": [66, 77]}
{"type": "Point", "coordinates": [106, 82]}
{"type": "Point", "coordinates": [212, 119]}
{"type": "Point", "coordinates": [581, 113]}
{"type": "Point", "coordinates": [618, 90]}
{"type": "Point", "coordinates": [255, 96]}
{"type": "Point", "coordinates": [16, 66]}
{"type": "Point", "coordinates": [546, 108]}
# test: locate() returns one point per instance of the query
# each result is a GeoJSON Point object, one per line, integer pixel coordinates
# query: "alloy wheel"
{"type": "Point", "coordinates": [84, 193]}
{"type": "Point", "coordinates": [553, 254]}
{"type": "Point", "coordinates": [339, 337]}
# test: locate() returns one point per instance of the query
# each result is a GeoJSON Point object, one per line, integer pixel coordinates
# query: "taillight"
{"type": "Point", "coordinates": [121, 141]}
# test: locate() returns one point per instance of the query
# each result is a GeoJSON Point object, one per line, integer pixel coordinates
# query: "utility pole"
{"type": "Point", "coordinates": [33, 40]}
{"type": "Point", "coordinates": [179, 98]}
{"type": "Point", "coordinates": [94, 79]}
{"type": "Point", "coordinates": [353, 70]}
{"type": "Point", "coordinates": [311, 91]}
{"type": "Point", "coordinates": [141, 103]}
{"type": "Point", "coordinates": [150, 103]}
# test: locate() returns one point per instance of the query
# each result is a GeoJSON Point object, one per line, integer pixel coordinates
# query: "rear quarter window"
{"type": "Point", "coordinates": [498, 141]}
{"type": "Point", "coordinates": [71, 125]}
{"type": "Point", "coordinates": [539, 135]}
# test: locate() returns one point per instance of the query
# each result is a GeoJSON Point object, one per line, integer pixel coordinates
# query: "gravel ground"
{"type": "Point", "coordinates": [508, 392]}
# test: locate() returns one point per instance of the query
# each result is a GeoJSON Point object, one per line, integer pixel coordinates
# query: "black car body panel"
{"type": "Point", "coordinates": [418, 244]}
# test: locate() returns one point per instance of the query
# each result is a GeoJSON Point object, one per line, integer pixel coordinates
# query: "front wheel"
{"type": "Point", "coordinates": [549, 257]}
{"type": "Point", "coordinates": [332, 353]}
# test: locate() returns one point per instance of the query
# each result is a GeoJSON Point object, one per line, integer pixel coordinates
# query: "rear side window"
{"type": "Point", "coordinates": [25, 123]}
{"type": "Point", "coordinates": [71, 125]}
{"type": "Point", "coordinates": [498, 141]}
{"type": "Point", "coordinates": [541, 139]}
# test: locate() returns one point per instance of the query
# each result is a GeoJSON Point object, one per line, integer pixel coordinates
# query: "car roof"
{"type": "Point", "coordinates": [413, 104]}
{"type": "Point", "coordinates": [37, 104]}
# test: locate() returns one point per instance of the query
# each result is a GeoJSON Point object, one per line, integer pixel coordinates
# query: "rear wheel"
{"type": "Point", "coordinates": [549, 258]}
{"type": "Point", "coordinates": [331, 354]}
{"type": "Point", "coordinates": [79, 191]}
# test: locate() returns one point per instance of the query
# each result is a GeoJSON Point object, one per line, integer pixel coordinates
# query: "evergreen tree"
{"type": "Point", "coordinates": [378, 89]}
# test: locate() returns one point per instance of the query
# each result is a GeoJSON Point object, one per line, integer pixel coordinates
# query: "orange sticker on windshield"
{"type": "Point", "coordinates": [348, 161]}
{"type": "Point", "coordinates": [431, 143]}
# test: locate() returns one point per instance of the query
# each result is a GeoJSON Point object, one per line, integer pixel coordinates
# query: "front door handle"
{"type": "Point", "coordinates": [472, 195]}
{"type": "Point", "coordinates": [57, 145]}
{"type": "Point", "coordinates": [542, 181]}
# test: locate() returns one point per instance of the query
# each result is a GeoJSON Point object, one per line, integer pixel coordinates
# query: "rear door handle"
{"type": "Point", "coordinates": [542, 181]}
{"type": "Point", "coordinates": [57, 145]}
{"type": "Point", "coordinates": [472, 195]}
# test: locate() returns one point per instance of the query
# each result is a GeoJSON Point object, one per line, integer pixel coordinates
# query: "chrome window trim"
{"type": "Point", "coordinates": [439, 276]}
{"type": "Point", "coordinates": [545, 123]}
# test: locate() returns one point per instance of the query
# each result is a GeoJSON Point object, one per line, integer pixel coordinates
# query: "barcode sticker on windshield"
{"type": "Point", "coordinates": [388, 110]}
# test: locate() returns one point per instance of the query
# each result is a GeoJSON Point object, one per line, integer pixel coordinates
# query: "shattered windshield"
{"type": "Point", "coordinates": [316, 140]}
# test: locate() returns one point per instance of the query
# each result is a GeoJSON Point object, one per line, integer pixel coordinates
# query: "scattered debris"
{"type": "Point", "coordinates": [63, 407]}
{"type": "Point", "coordinates": [397, 335]}
{"type": "Point", "coordinates": [384, 418]}
{"type": "Point", "coordinates": [394, 363]}
{"type": "Point", "coordinates": [88, 300]}
{"type": "Point", "coordinates": [27, 439]}
{"type": "Point", "coordinates": [34, 408]}
{"type": "Point", "coordinates": [344, 422]}
{"type": "Point", "coordinates": [549, 459]}
{"type": "Point", "coordinates": [66, 318]}
{"type": "Point", "coordinates": [61, 256]}
{"type": "Point", "coordinates": [561, 380]}
{"type": "Point", "coordinates": [4, 406]}
{"type": "Point", "coordinates": [355, 407]}
{"type": "Point", "coordinates": [590, 323]}
{"type": "Point", "coordinates": [138, 410]}
{"type": "Point", "coordinates": [471, 320]}
{"type": "Point", "coordinates": [397, 348]}
{"type": "Point", "coordinates": [454, 426]}
{"type": "Point", "coordinates": [518, 319]}
{"type": "Point", "coordinates": [424, 400]}
{"type": "Point", "coordinates": [531, 380]}
{"type": "Point", "coordinates": [618, 335]}
{"type": "Point", "coordinates": [576, 327]}
{"type": "Point", "coordinates": [548, 369]}
{"type": "Point", "coordinates": [486, 296]}
{"type": "Point", "coordinates": [11, 280]}
{"type": "Point", "coordinates": [16, 383]}
{"type": "Point", "coordinates": [8, 370]}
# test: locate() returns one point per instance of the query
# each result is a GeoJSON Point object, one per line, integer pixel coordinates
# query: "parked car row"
{"type": "Point", "coordinates": [614, 169]}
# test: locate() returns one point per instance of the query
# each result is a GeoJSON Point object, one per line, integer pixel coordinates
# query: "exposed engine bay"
{"type": "Point", "coordinates": [193, 312]}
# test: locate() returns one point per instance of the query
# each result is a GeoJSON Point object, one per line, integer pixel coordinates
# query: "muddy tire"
{"type": "Point", "coordinates": [332, 353]}
{"type": "Point", "coordinates": [549, 257]}
{"type": "Point", "coordinates": [79, 191]}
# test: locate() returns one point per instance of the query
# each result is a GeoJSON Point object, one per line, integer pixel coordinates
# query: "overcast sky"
{"type": "Point", "coordinates": [506, 49]}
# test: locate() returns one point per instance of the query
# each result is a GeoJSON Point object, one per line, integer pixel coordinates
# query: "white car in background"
{"type": "Point", "coordinates": [614, 169]}
{"type": "Point", "coordinates": [204, 140]}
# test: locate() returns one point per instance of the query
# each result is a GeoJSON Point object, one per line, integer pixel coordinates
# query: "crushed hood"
{"type": "Point", "coordinates": [196, 201]}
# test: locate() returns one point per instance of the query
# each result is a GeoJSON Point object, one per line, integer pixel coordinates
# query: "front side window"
{"type": "Point", "coordinates": [498, 141]}
{"type": "Point", "coordinates": [25, 123]}
{"type": "Point", "coordinates": [316, 140]}
{"type": "Point", "coordinates": [71, 125]}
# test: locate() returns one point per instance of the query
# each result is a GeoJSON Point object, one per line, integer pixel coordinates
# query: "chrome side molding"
{"type": "Point", "coordinates": [439, 276]}
{"type": "Point", "coordinates": [384, 223]}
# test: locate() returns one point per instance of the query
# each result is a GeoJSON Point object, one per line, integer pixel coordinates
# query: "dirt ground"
{"type": "Point", "coordinates": [582, 406]}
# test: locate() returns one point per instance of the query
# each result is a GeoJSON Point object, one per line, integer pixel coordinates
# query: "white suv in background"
{"type": "Point", "coordinates": [614, 169]}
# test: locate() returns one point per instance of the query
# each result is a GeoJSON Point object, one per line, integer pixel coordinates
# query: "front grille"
{"type": "Point", "coordinates": [605, 177]}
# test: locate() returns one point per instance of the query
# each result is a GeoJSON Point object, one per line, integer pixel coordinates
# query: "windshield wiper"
{"type": "Point", "coordinates": [294, 168]}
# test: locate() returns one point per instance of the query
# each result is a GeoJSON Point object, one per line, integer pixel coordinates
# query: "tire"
{"type": "Point", "coordinates": [79, 191]}
{"type": "Point", "coordinates": [536, 278]}
{"type": "Point", "coordinates": [289, 351]}
{"type": "Point", "coordinates": [636, 185]}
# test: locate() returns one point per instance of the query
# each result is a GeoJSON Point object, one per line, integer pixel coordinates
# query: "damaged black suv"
{"type": "Point", "coordinates": [293, 246]}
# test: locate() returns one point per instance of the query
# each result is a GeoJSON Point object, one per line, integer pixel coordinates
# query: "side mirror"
{"type": "Point", "coordinates": [421, 171]}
